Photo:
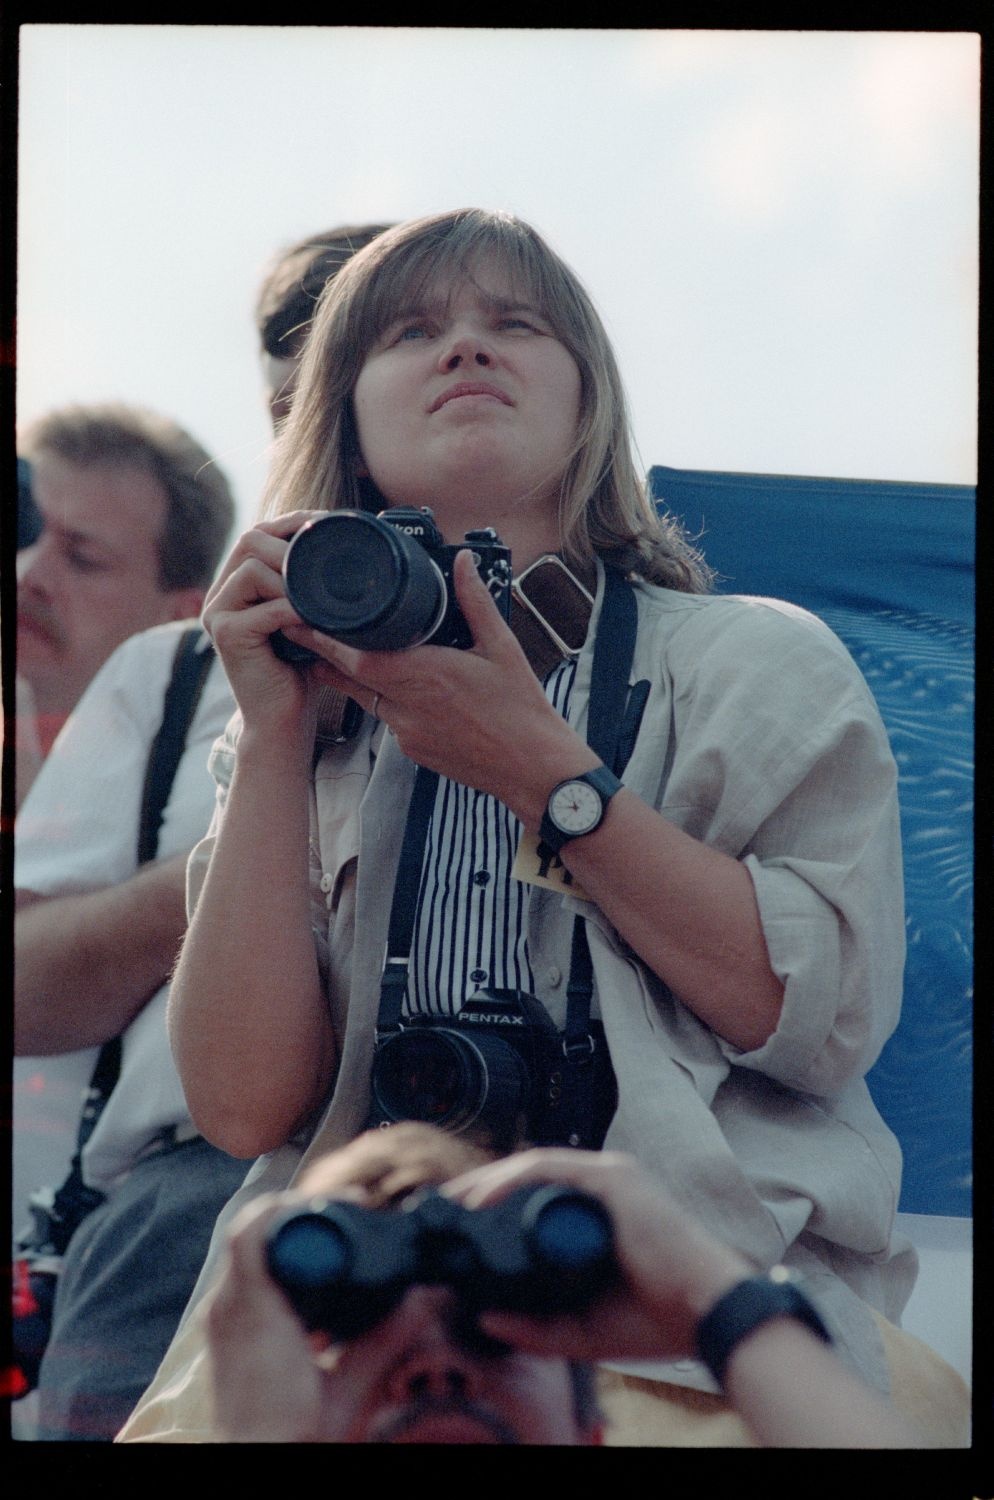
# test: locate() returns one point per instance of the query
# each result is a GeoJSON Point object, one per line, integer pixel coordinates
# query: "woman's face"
{"type": "Point", "coordinates": [469, 403]}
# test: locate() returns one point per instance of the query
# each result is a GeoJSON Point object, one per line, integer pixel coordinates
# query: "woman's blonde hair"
{"type": "Point", "coordinates": [603, 505]}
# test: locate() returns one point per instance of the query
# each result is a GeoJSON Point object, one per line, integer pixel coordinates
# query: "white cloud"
{"type": "Point", "coordinates": [675, 55]}
{"type": "Point", "coordinates": [749, 160]}
{"type": "Point", "coordinates": [909, 88]}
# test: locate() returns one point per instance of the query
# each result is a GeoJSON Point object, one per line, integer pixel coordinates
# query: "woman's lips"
{"type": "Point", "coordinates": [469, 388]}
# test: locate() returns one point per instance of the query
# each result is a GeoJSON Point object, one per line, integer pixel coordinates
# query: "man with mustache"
{"type": "Point", "coordinates": [128, 505]}
{"type": "Point", "coordinates": [134, 516]}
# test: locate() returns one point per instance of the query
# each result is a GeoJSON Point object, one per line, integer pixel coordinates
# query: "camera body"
{"type": "Point", "coordinates": [545, 1249]}
{"type": "Point", "coordinates": [499, 1066]}
{"type": "Point", "coordinates": [55, 1217]}
{"type": "Point", "coordinates": [384, 582]}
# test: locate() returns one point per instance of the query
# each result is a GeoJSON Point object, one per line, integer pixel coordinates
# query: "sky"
{"type": "Point", "coordinates": [779, 228]}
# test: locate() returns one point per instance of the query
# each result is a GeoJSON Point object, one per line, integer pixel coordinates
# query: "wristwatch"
{"type": "Point", "coordinates": [577, 806]}
{"type": "Point", "coordinates": [751, 1303]}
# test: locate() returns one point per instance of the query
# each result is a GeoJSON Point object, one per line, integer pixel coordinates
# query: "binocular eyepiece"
{"type": "Point", "coordinates": [544, 1250]}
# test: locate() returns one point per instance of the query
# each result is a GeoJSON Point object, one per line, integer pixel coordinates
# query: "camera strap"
{"type": "Point", "coordinates": [614, 649]}
{"type": "Point", "coordinates": [192, 662]}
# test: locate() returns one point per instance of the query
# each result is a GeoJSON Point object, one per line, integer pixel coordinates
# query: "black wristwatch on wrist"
{"type": "Point", "coordinates": [745, 1307]}
{"type": "Point", "coordinates": [577, 806]}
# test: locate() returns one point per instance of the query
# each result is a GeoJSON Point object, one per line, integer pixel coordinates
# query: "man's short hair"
{"type": "Point", "coordinates": [391, 1164]}
{"type": "Point", "coordinates": [200, 507]}
{"type": "Point", "coordinates": [290, 290]}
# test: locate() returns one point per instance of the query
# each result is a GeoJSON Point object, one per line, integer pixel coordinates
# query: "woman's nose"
{"type": "Point", "coordinates": [466, 347]}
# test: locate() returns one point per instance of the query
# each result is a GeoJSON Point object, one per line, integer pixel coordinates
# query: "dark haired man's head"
{"type": "Point", "coordinates": [288, 296]}
{"type": "Point", "coordinates": [413, 1378]}
{"type": "Point", "coordinates": [135, 515]}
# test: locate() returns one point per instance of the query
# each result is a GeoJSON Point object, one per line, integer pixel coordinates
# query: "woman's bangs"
{"type": "Point", "coordinates": [407, 278]}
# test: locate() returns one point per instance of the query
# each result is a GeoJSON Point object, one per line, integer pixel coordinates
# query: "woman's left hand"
{"type": "Point", "coordinates": [479, 717]}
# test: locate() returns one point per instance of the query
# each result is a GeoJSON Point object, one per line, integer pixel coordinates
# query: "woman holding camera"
{"type": "Point", "coordinates": [737, 869]}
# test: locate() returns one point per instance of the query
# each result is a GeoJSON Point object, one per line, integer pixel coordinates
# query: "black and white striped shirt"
{"type": "Point", "coordinates": [471, 930]}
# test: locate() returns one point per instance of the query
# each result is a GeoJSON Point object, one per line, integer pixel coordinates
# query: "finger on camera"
{"type": "Point", "coordinates": [250, 609]}
{"type": "Point", "coordinates": [373, 671]}
{"type": "Point", "coordinates": [345, 659]}
{"type": "Point", "coordinates": [257, 545]}
{"type": "Point", "coordinates": [325, 675]}
{"type": "Point", "coordinates": [287, 524]}
{"type": "Point", "coordinates": [479, 609]}
{"type": "Point", "coordinates": [251, 581]}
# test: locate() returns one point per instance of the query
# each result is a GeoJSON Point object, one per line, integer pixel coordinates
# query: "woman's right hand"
{"type": "Point", "coordinates": [244, 606]}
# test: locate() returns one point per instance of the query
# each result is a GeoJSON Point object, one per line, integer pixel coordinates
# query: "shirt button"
{"type": "Point", "coordinates": [554, 978]}
{"type": "Point", "coordinates": [326, 883]}
{"type": "Point", "coordinates": [482, 877]}
{"type": "Point", "coordinates": [478, 975]}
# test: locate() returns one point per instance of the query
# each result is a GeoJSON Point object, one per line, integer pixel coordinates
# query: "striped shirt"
{"type": "Point", "coordinates": [471, 929]}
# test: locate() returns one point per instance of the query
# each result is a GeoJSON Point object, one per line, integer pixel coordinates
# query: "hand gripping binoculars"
{"type": "Point", "coordinates": [544, 1250]}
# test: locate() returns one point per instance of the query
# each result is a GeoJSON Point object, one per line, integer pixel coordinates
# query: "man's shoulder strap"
{"type": "Point", "coordinates": [191, 664]}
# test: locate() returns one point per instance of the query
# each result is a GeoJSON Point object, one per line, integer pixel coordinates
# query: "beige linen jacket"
{"type": "Point", "coordinates": [760, 738]}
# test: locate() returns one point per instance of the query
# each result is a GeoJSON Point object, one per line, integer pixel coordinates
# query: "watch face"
{"type": "Point", "coordinates": [575, 807]}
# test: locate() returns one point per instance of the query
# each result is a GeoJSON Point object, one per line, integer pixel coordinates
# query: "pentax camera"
{"type": "Point", "coordinates": [544, 1250]}
{"type": "Point", "coordinates": [384, 582]}
{"type": "Point", "coordinates": [499, 1066]}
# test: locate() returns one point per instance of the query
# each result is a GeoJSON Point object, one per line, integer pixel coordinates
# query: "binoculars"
{"type": "Point", "coordinates": [543, 1250]}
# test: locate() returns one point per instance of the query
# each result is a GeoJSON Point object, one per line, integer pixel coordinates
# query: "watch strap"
{"type": "Point", "coordinates": [604, 783]}
{"type": "Point", "coordinates": [745, 1308]}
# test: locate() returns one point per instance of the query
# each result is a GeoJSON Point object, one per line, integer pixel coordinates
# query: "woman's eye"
{"type": "Point", "coordinates": [517, 323]}
{"type": "Point", "coordinates": [413, 331]}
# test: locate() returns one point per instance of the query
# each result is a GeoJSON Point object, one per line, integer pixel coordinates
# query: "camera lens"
{"type": "Point", "coordinates": [363, 581]}
{"type": "Point", "coordinates": [445, 1079]}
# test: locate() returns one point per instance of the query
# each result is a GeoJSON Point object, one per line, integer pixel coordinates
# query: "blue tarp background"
{"type": "Point", "coordinates": [890, 568]}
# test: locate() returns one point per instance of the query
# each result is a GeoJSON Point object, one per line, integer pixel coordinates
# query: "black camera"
{"type": "Point", "coordinates": [499, 1066]}
{"type": "Point", "coordinates": [384, 582]}
{"type": "Point", "coordinates": [55, 1217]}
{"type": "Point", "coordinates": [544, 1250]}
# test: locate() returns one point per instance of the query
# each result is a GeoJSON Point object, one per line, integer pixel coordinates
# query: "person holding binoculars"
{"type": "Point", "coordinates": [532, 836]}
{"type": "Point", "coordinates": [424, 1329]}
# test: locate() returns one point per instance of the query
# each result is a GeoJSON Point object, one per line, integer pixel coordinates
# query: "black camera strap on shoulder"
{"type": "Point", "coordinates": [406, 897]}
{"type": "Point", "coordinates": [614, 649]}
{"type": "Point", "coordinates": [191, 664]}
